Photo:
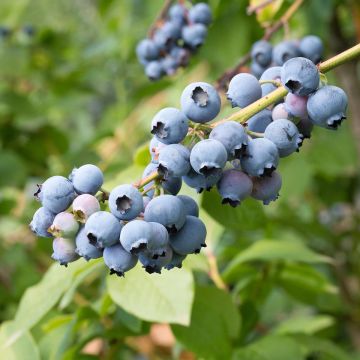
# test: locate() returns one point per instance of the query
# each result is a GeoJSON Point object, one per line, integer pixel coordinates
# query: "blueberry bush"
{"type": "Point", "coordinates": [225, 196]}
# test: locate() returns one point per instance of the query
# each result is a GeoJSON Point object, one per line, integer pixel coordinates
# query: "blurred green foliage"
{"type": "Point", "coordinates": [73, 93]}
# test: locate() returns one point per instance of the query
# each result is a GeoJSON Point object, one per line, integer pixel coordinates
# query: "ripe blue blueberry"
{"type": "Point", "coordinates": [135, 235]}
{"type": "Point", "coordinates": [327, 107]}
{"type": "Point", "coordinates": [305, 127]}
{"type": "Point", "coordinates": [312, 48]}
{"type": "Point", "coordinates": [41, 221]}
{"type": "Point", "coordinates": [87, 179]}
{"type": "Point", "coordinates": [84, 248]}
{"type": "Point", "coordinates": [200, 13]}
{"type": "Point", "coordinates": [260, 121]}
{"type": "Point", "coordinates": [285, 135]}
{"type": "Point", "coordinates": [191, 238]}
{"type": "Point", "coordinates": [200, 182]}
{"type": "Point", "coordinates": [152, 265]}
{"type": "Point", "coordinates": [172, 29]}
{"type": "Point", "coordinates": [208, 157]}
{"type": "Point", "coordinates": [56, 194]}
{"type": "Point", "coordinates": [194, 35]}
{"type": "Point", "coordinates": [169, 65]}
{"type": "Point", "coordinates": [177, 12]}
{"type": "Point", "coordinates": [146, 50]}
{"type": "Point", "coordinates": [267, 188]}
{"type": "Point", "coordinates": [174, 160]}
{"type": "Point", "coordinates": [295, 105]}
{"type": "Point", "coordinates": [243, 90]}
{"type": "Point", "coordinates": [272, 73]}
{"type": "Point", "coordinates": [234, 186]}
{"type": "Point", "coordinates": [300, 76]}
{"type": "Point", "coordinates": [176, 261]}
{"type": "Point", "coordinates": [64, 225]}
{"type": "Point", "coordinates": [64, 251]}
{"type": "Point", "coordinates": [256, 69]}
{"type": "Point", "coordinates": [154, 70]}
{"type": "Point", "coordinates": [103, 229]}
{"type": "Point", "coordinates": [261, 157]}
{"type": "Point", "coordinates": [167, 210]}
{"type": "Point", "coordinates": [85, 205]}
{"type": "Point", "coordinates": [162, 40]}
{"type": "Point", "coordinates": [125, 202]}
{"type": "Point", "coordinates": [261, 52]}
{"type": "Point", "coordinates": [200, 102]}
{"type": "Point", "coordinates": [159, 240]}
{"type": "Point", "coordinates": [232, 135]}
{"type": "Point", "coordinates": [170, 126]}
{"type": "Point", "coordinates": [284, 51]}
{"type": "Point", "coordinates": [181, 55]}
{"type": "Point", "coordinates": [191, 207]}
{"type": "Point", "coordinates": [118, 260]}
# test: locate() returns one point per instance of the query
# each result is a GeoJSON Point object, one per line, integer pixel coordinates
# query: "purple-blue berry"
{"type": "Point", "coordinates": [118, 260]}
{"type": "Point", "coordinates": [87, 179]}
{"type": "Point", "coordinates": [41, 221]}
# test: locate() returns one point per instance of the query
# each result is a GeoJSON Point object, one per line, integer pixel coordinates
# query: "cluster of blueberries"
{"type": "Point", "coordinates": [159, 231]}
{"type": "Point", "coordinates": [171, 44]}
{"type": "Point", "coordinates": [149, 221]}
{"type": "Point", "coordinates": [6, 32]}
{"type": "Point", "coordinates": [264, 55]}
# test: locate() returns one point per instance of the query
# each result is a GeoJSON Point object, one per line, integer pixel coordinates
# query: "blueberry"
{"type": "Point", "coordinates": [285, 135]}
{"type": "Point", "coordinates": [125, 202]}
{"type": "Point", "coordinates": [64, 225]}
{"type": "Point", "coordinates": [103, 229]}
{"type": "Point", "coordinates": [171, 184]}
{"type": "Point", "coordinates": [154, 70]}
{"type": "Point", "coordinates": [135, 235]}
{"type": "Point", "coordinates": [118, 260]}
{"type": "Point", "coordinates": [295, 105]}
{"type": "Point", "coordinates": [261, 157]}
{"type": "Point", "coordinates": [159, 240]}
{"type": "Point", "coordinates": [147, 50]}
{"type": "Point", "coordinates": [162, 40]}
{"type": "Point", "coordinates": [176, 261]}
{"type": "Point", "coordinates": [174, 160]}
{"type": "Point", "coordinates": [208, 157]}
{"type": "Point", "coordinates": [272, 73]}
{"type": "Point", "coordinates": [169, 65]}
{"type": "Point", "coordinates": [327, 107]}
{"type": "Point", "coordinates": [170, 126]}
{"type": "Point", "coordinates": [154, 147]}
{"type": "Point", "coordinates": [243, 90]}
{"type": "Point", "coordinates": [85, 205]}
{"type": "Point", "coordinates": [260, 121]}
{"type": "Point", "coordinates": [200, 13]}
{"type": "Point", "coordinates": [267, 188]}
{"type": "Point", "coordinates": [279, 112]}
{"type": "Point", "coordinates": [261, 53]}
{"type": "Point", "coordinates": [172, 29]}
{"type": "Point", "coordinates": [41, 221]}
{"type": "Point", "coordinates": [312, 48]}
{"type": "Point", "coordinates": [64, 251]}
{"type": "Point", "coordinates": [305, 127]}
{"type": "Point", "coordinates": [256, 69]}
{"type": "Point", "coordinates": [200, 102]}
{"type": "Point", "coordinates": [56, 194]}
{"type": "Point", "coordinates": [152, 265]}
{"type": "Point", "coordinates": [284, 51]}
{"type": "Point", "coordinates": [234, 186]}
{"type": "Point", "coordinates": [167, 210]}
{"type": "Point", "coordinates": [87, 179]}
{"type": "Point", "coordinates": [200, 182]}
{"type": "Point", "coordinates": [194, 35]}
{"type": "Point", "coordinates": [191, 238]}
{"type": "Point", "coordinates": [181, 55]}
{"type": "Point", "coordinates": [300, 76]}
{"type": "Point", "coordinates": [191, 207]}
{"type": "Point", "coordinates": [177, 12]}
{"type": "Point", "coordinates": [84, 248]}
{"type": "Point", "coordinates": [232, 135]}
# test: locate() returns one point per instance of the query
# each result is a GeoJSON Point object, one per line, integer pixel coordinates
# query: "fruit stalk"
{"type": "Point", "coordinates": [148, 179]}
{"type": "Point", "coordinates": [246, 113]}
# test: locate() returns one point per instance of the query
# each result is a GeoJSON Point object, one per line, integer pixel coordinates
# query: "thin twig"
{"type": "Point", "coordinates": [214, 271]}
{"type": "Point", "coordinates": [223, 81]}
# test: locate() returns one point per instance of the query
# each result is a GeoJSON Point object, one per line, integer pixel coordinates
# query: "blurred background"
{"type": "Point", "coordinates": [72, 92]}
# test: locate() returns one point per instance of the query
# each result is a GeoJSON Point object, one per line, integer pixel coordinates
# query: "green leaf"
{"type": "Point", "coordinates": [13, 166]}
{"type": "Point", "coordinates": [267, 13]}
{"type": "Point", "coordinates": [24, 348]}
{"type": "Point", "coordinates": [165, 297]}
{"type": "Point", "coordinates": [247, 216]}
{"type": "Point", "coordinates": [142, 155]}
{"type": "Point", "coordinates": [271, 250]}
{"type": "Point", "coordinates": [304, 324]}
{"type": "Point", "coordinates": [215, 321]}
{"type": "Point", "coordinates": [272, 347]}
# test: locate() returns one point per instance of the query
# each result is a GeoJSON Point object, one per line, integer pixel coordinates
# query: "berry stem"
{"type": "Point", "coordinates": [274, 82]}
{"type": "Point", "coordinates": [255, 134]}
{"type": "Point", "coordinates": [146, 180]}
{"type": "Point", "coordinates": [246, 113]}
{"type": "Point", "coordinates": [214, 271]}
